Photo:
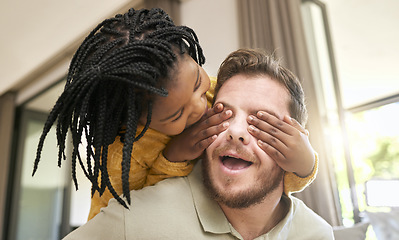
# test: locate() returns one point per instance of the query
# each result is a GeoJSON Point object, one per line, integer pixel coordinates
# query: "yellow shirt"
{"type": "Point", "coordinates": [149, 166]}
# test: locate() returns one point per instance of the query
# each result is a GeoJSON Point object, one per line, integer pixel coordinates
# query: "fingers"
{"type": "Point", "coordinates": [213, 130]}
{"type": "Point", "coordinates": [271, 151]}
{"type": "Point", "coordinates": [265, 140]}
{"type": "Point", "coordinates": [268, 143]}
{"type": "Point", "coordinates": [296, 124]}
{"type": "Point", "coordinates": [209, 134]}
{"type": "Point", "coordinates": [270, 124]}
{"type": "Point", "coordinates": [218, 108]}
{"type": "Point", "coordinates": [202, 145]}
{"type": "Point", "coordinates": [214, 119]}
{"type": "Point", "coordinates": [212, 125]}
{"type": "Point", "coordinates": [273, 131]}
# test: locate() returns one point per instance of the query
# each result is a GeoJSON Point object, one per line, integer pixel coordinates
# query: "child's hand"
{"type": "Point", "coordinates": [286, 141]}
{"type": "Point", "coordinates": [192, 141]}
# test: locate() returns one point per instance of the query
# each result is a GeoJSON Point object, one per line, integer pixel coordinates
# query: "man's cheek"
{"type": "Point", "coordinates": [210, 149]}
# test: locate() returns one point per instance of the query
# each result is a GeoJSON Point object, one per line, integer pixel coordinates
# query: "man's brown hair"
{"type": "Point", "coordinates": [255, 62]}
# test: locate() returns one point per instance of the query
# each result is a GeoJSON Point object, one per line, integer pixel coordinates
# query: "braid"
{"type": "Point", "coordinates": [118, 69]}
{"type": "Point", "coordinates": [147, 125]}
{"type": "Point", "coordinates": [128, 145]}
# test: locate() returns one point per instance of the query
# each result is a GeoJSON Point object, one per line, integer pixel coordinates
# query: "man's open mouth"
{"type": "Point", "coordinates": [235, 163]}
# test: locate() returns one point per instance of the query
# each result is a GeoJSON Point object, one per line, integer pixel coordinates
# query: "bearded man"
{"type": "Point", "coordinates": [237, 190]}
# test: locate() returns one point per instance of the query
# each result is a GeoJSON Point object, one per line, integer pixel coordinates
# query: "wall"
{"type": "Point", "coordinates": [33, 32]}
{"type": "Point", "coordinates": [216, 25]}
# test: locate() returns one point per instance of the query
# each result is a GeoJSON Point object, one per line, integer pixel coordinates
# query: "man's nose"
{"type": "Point", "coordinates": [238, 131]}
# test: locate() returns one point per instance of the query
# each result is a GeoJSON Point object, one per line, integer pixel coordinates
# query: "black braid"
{"type": "Point", "coordinates": [116, 72]}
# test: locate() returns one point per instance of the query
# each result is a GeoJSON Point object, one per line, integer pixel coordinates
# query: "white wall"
{"type": "Point", "coordinates": [32, 32]}
{"type": "Point", "coordinates": [216, 25]}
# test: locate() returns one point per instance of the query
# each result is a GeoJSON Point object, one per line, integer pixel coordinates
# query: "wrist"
{"type": "Point", "coordinates": [305, 174]}
{"type": "Point", "coordinates": [171, 157]}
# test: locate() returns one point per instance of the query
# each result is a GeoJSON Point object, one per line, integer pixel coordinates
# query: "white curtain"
{"type": "Point", "coordinates": [276, 25]}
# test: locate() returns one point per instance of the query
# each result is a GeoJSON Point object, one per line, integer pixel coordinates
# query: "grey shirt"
{"type": "Point", "coordinates": [179, 208]}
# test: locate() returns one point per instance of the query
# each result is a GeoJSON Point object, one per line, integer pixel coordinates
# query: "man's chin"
{"type": "Point", "coordinates": [244, 198]}
{"type": "Point", "coordinates": [239, 200]}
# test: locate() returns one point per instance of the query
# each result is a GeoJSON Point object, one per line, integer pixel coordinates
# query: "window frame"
{"type": "Point", "coordinates": [342, 111]}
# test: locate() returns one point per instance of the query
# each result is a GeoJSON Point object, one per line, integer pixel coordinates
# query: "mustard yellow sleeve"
{"type": "Point", "coordinates": [162, 169]}
{"type": "Point", "coordinates": [147, 166]}
{"type": "Point", "coordinates": [137, 176]}
{"type": "Point", "coordinates": [294, 183]}
{"type": "Point", "coordinates": [211, 92]}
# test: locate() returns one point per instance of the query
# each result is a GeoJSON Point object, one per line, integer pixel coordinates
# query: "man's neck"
{"type": "Point", "coordinates": [258, 219]}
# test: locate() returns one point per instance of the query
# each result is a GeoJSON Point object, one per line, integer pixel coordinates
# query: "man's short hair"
{"type": "Point", "coordinates": [256, 62]}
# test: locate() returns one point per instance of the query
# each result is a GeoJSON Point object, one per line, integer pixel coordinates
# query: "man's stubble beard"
{"type": "Point", "coordinates": [264, 185]}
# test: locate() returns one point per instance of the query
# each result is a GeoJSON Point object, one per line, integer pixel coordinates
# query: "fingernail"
{"type": "Point", "coordinates": [225, 124]}
{"type": "Point", "coordinates": [250, 118]}
{"type": "Point", "coordinates": [260, 114]}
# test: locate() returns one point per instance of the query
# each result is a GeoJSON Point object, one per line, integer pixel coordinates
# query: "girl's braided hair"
{"type": "Point", "coordinates": [112, 79]}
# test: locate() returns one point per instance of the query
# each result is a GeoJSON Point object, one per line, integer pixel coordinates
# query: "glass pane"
{"type": "Point", "coordinates": [366, 49]}
{"type": "Point", "coordinates": [375, 150]}
{"type": "Point", "coordinates": [40, 211]}
{"type": "Point", "coordinates": [40, 204]}
{"type": "Point", "coordinates": [80, 200]}
{"type": "Point", "coordinates": [40, 199]}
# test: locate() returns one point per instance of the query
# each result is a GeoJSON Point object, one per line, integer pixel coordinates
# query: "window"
{"type": "Point", "coordinates": [354, 60]}
{"type": "Point", "coordinates": [45, 206]}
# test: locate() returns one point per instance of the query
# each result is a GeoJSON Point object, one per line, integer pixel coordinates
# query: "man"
{"type": "Point", "coordinates": [236, 192]}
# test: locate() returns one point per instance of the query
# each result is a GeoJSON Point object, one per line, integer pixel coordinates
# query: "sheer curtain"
{"type": "Point", "coordinates": [7, 109]}
{"type": "Point", "coordinates": [276, 25]}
